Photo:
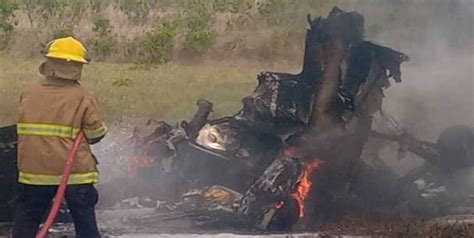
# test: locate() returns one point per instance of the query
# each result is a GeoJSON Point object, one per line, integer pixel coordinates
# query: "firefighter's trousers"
{"type": "Point", "coordinates": [34, 201]}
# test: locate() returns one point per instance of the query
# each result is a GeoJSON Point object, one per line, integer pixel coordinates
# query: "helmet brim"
{"type": "Point", "coordinates": [67, 57]}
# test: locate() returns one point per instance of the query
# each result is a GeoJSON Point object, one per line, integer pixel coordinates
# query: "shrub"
{"type": "Point", "coordinates": [7, 22]}
{"type": "Point", "coordinates": [64, 31]}
{"type": "Point", "coordinates": [103, 47]}
{"type": "Point", "coordinates": [136, 10]}
{"type": "Point", "coordinates": [157, 45]}
{"type": "Point", "coordinates": [102, 27]}
{"type": "Point", "coordinates": [199, 35]}
{"type": "Point", "coordinates": [103, 42]}
{"type": "Point", "coordinates": [270, 8]}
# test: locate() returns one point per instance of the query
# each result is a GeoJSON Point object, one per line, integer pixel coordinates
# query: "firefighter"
{"type": "Point", "coordinates": [51, 114]}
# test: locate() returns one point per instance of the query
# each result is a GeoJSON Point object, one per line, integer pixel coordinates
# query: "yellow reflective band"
{"type": "Point", "coordinates": [44, 179]}
{"type": "Point", "coordinates": [95, 133]}
{"type": "Point", "coordinates": [39, 129]}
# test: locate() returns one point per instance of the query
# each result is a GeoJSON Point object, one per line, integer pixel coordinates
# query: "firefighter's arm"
{"type": "Point", "coordinates": [92, 124]}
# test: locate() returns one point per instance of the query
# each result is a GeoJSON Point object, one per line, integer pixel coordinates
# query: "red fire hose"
{"type": "Point", "coordinates": [58, 199]}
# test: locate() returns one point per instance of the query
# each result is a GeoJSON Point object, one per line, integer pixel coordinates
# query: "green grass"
{"type": "Point", "coordinates": [166, 92]}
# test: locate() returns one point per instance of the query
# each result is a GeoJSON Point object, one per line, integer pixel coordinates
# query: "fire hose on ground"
{"type": "Point", "coordinates": [58, 199]}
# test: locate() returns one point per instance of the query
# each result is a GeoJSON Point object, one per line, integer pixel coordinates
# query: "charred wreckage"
{"type": "Point", "coordinates": [293, 152]}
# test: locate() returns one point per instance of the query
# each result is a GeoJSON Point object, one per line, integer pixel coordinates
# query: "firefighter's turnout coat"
{"type": "Point", "coordinates": [51, 114]}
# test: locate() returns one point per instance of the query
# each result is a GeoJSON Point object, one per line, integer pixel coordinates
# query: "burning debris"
{"type": "Point", "coordinates": [292, 153]}
{"type": "Point", "coordinates": [260, 162]}
{"type": "Point", "coordinates": [304, 185]}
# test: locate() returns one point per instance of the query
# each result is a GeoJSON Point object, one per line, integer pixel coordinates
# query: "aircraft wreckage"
{"type": "Point", "coordinates": [292, 153]}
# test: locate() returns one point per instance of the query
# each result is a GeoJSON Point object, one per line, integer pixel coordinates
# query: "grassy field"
{"type": "Point", "coordinates": [166, 92]}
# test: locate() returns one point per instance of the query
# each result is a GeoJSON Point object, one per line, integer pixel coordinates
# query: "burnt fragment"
{"type": "Point", "coordinates": [8, 171]}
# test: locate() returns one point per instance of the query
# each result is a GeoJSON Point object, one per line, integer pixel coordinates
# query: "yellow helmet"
{"type": "Point", "coordinates": [68, 49]}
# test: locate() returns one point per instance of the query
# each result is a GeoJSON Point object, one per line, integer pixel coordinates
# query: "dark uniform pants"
{"type": "Point", "coordinates": [34, 201]}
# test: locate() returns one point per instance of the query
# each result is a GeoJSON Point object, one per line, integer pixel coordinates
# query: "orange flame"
{"type": "Point", "coordinates": [304, 186]}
